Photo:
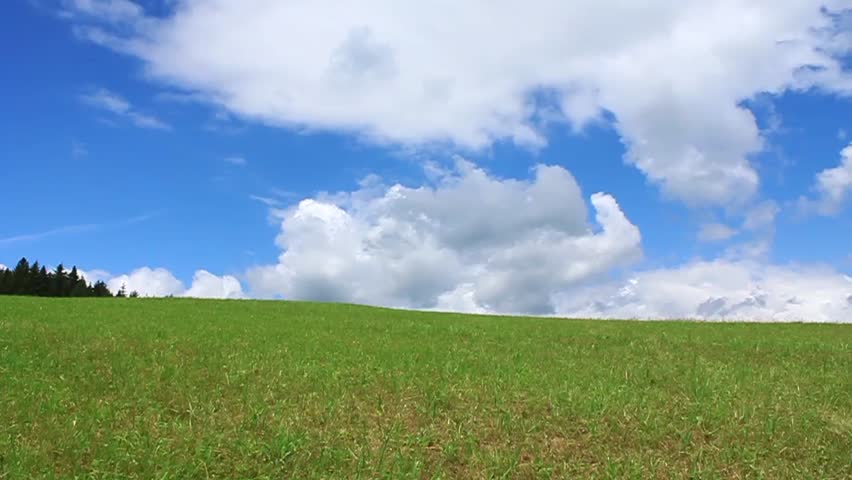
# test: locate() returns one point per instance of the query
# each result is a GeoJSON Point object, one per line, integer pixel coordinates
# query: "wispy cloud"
{"type": "Point", "coordinates": [269, 202]}
{"type": "Point", "coordinates": [74, 229]}
{"type": "Point", "coordinates": [236, 160]}
{"type": "Point", "coordinates": [78, 149]}
{"type": "Point", "coordinates": [715, 232]}
{"type": "Point", "coordinates": [114, 103]}
{"type": "Point", "coordinates": [114, 11]}
{"type": "Point", "coordinates": [31, 237]}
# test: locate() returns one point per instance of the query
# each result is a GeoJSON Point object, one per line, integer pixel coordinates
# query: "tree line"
{"type": "Point", "coordinates": [36, 280]}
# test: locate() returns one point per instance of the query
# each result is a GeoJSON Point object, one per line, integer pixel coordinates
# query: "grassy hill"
{"type": "Point", "coordinates": [177, 388]}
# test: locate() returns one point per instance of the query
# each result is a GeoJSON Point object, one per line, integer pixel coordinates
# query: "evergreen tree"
{"type": "Point", "coordinates": [21, 276]}
{"type": "Point", "coordinates": [122, 292]}
{"type": "Point", "coordinates": [60, 279]}
{"type": "Point", "coordinates": [6, 282]}
{"type": "Point", "coordinates": [134, 294]}
{"type": "Point", "coordinates": [100, 289]}
{"type": "Point", "coordinates": [73, 278]}
{"type": "Point", "coordinates": [44, 281]}
{"type": "Point", "coordinates": [34, 279]}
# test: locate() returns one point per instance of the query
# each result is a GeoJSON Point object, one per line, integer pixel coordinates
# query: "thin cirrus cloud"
{"type": "Point", "coordinates": [673, 74]}
{"type": "Point", "coordinates": [118, 106]}
{"type": "Point", "coordinates": [236, 160]}
{"type": "Point", "coordinates": [73, 229]}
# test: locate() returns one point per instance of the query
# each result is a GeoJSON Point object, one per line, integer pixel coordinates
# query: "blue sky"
{"type": "Point", "coordinates": [134, 135]}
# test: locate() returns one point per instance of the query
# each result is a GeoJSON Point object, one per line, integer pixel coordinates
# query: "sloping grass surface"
{"type": "Point", "coordinates": [176, 389]}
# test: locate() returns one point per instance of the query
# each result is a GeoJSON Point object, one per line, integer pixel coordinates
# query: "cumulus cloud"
{"type": "Point", "coordinates": [674, 74]}
{"type": "Point", "coordinates": [207, 285]}
{"type": "Point", "coordinates": [160, 282]}
{"type": "Point", "coordinates": [500, 244]}
{"type": "Point", "coordinates": [148, 282]}
{"type": "Point", "coordinates": [472, 242]}
{"type": "Point", "coordinates": [93, 276]}
{"type": "Point", "coordinates": [720, 290]}
{"type": "Point", "coordinates": [833, 186]}
{"type": "Point", "coordinates": [119, 106]}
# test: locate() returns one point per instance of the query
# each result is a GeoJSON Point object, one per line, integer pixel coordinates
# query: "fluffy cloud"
{"type": "Point", "coordinates": [833, 186]}
{"type": "Point", "coordinates": [673, 73]}
{"type": "Point", "coordinates": [160, 282]}
{"type": "Point", "coordinates": [499, 244]}
{"type": "Point", "coordinates": [207, 285]}
{"type": "Point", "coordinates": [4, 267]}
{"type": "Point", "coordinates": [147, 282]}
{"type": "Point", "coordinates": [720, 289]}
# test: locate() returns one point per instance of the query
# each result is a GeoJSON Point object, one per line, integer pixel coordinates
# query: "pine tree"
{"type": "Point", "coordinates": [60, 279]}
{"type": "Point", "coordinates": [21, 276]}
{"type": "Point", "coordinates": [122, 292]}
{"type": "Point", "coordinates": [44, 282]}
{"type": "Point", "coordinates": [100, 289]}
{"type": "Point", "coordinates": [35, 281]}
{"type": "Point", "coordinates": [6, 282]}
{"type": "Point", "coordinates": [73, 278]}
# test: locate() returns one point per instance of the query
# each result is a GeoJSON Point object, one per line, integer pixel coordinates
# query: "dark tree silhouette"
{"type": "Point", "coordinates": [27, 279]}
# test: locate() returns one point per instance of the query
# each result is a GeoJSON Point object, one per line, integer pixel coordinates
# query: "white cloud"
{"type": "Point", "coordinates": [160, 282]}
{"type": "Point", "coordinates": [207, 285]}
{"type": "Point", "coordinates": [833, 186]}
{"type": "Point", "coordinates": [111, 10]}
{"type": "Point", "coordinates": [147, 282]}
{"type": "Point", "coordinates": [720, 290]}
{"type": "Point", "coordinates": [475, 243]}
{"type": "Point", "coordinates": [673, 73]}
{"type": "Point", "coordinates": [502, 245]}
{"type": "Point", "coordinates": [715, 232]}
{"type": "Point", "coordinates": [68, 229]}
{"type": "Point", "coordinates": [761, 217]}
{"type": "Point", "coordinates": [4, 267]}
{"type": "Point", "coordinates": [236, 160]}
{"type": "Point", "coordinates": [92, 276]}
{"type": "Point", "coordinates": [268, 201]}
{"type": "Point", "coordinates": [116, 104]}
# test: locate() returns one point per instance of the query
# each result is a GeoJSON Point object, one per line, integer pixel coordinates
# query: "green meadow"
{"type": "Point", "coordinates": [185, 389]}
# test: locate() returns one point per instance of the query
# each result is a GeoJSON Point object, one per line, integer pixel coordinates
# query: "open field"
{"type": "Point", "coordinates": [175, 388]}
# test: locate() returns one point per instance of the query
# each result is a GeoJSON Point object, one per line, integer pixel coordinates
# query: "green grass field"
{"type": "Point", "coordinates": [177, 389]}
